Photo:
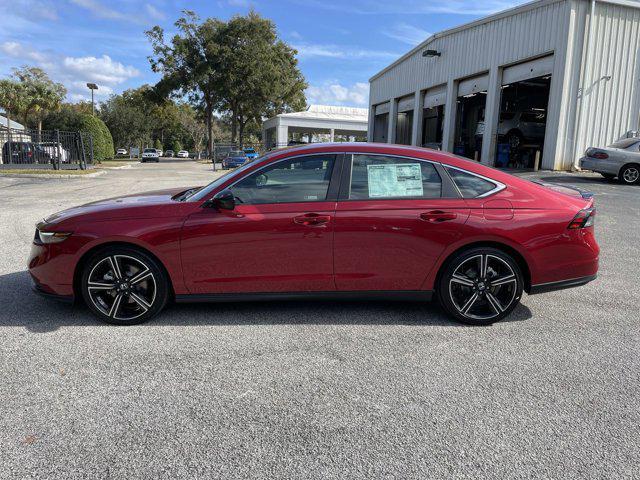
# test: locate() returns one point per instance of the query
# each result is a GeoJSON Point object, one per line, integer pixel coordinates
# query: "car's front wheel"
{"type": "Point", "coordinates": [630, 174]}
{"type": "Point", "coordinates": [124, 286]}
{"type": "Point", "coordinates": [480, 286]}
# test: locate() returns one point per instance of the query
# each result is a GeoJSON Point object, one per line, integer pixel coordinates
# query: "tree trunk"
{"type": "Point", "coordinates": [8, 119]}
{"type": "Point", "coordinates": [241, 124]}
{"type": "Point", "coordinates": [209, 113]}
{"type": "Point", "coordinates": [234, 127]}
{"type": "Point", "coordinates": [39, 126]}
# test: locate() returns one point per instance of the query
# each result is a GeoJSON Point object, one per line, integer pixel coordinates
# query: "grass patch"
{"type": "Point", "coordinates": [114, 163]}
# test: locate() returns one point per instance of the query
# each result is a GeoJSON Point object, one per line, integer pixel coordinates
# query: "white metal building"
{"type": "Point", "coordinates": [548, 78]}
{"type": "Point", "coordinates": [318, 121]}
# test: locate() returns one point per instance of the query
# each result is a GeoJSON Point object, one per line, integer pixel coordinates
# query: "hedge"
{"type": "Point", "coordinates": [102, 140]}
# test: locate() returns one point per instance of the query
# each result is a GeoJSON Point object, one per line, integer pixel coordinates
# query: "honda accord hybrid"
{"type": "Point", "coordinates": [365, 221]}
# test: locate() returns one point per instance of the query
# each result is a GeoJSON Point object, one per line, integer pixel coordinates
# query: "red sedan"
{"type": "Point", "coordinates": [324, 221]}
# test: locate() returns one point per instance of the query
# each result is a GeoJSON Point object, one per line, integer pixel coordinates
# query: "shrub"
{"type": "Point", "coordinates": [177, 146]}
{"type": "Point", "coordinates": [102, 140]}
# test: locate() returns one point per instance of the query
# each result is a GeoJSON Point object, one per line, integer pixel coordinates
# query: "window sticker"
{"type": "Point", "coordinates": [395, 180]}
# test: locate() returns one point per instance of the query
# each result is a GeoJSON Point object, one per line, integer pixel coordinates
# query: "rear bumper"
{"type": "Point", "coordinates": [561, 285]}
{"type": "Point", "coordinates": [600, 166]}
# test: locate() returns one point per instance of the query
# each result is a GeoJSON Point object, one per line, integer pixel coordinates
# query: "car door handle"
{"type": "Point", "coordinates": [437, 216]}
{"type": "Point", "coordinates": [312, 220]}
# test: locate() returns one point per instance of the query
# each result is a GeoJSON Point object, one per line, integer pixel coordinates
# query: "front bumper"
{"type": "Point", "coordinates": [40, 290]}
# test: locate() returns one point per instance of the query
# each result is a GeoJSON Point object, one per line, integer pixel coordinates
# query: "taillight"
{"type": "Point", "coordinates": [584, 218]}
{"type": "Point", "coordinates": [599, 155]}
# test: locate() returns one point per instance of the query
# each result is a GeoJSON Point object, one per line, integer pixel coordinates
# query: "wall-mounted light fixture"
{"type": "Point", "coordinates": [431, 53]}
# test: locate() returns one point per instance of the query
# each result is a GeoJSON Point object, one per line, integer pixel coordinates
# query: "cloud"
{"type": "Point", "coordinates": [412, 7]}
{"type": "Point", "coordinates": [100, 70]}
{"type": "Point", "coordinates": [334, 93]}
{"type": "Point", "coordinates": [74, 72]}
{"type": "Point", "coordinates": [102, 11]}
{"type": "Point", "coordinates": [308, 50]}
{"type": "Point", "coordinates": [154, 12]}
{"type": "Point", "coordinates": [406, 33]}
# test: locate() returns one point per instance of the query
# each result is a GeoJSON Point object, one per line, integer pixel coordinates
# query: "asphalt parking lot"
{"type": "Point", "coordinates": [318, 390]}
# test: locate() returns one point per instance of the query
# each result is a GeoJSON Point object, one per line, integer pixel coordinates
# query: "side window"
{"type": "Point", "coordinates": [470, 185]}
{"type": "Point", "coordinates": [379, 176]}
{"type": "Point", "coordinates": [300, 179]}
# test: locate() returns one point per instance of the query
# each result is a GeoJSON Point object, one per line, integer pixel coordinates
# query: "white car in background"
{"type": "Point", "coordinates": [620, 159]}
{"type": "Point", "coordinates": [150, 155]}
{"type": "Point", "coordinates": [183, 154]}
{"type": "Point", "coordinates": [122, 151]}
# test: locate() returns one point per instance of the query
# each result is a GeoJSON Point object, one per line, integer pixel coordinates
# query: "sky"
{"type": "Point", "coordinates": [340, 43]}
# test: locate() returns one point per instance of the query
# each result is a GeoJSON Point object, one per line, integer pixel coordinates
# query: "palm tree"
{"type": "Point", "coordinates": [42, 94]}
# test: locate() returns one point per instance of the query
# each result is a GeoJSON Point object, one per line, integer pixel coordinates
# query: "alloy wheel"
{"type": "Point", "coordinates": [631, 174]}
{"type": "Point", "coordinates": [483, 287]}
{"type": "Point", "coordinates": [122, 287]}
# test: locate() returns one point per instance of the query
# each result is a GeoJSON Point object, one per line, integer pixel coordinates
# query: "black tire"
{"type": "Point", "coordinates": [490, 303]}
{"type": "Point", "coordinates": [629, 174]}
{"type": "Point", "coordinates": [139, 283]}
{"type": "Point", "coordinates": [608, 176]}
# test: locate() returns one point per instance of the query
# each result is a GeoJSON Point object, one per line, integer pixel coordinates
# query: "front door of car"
{"type": "Point", "coordinates": [394, 218]}
{"type": "Point", "coordinates": [278, 238]}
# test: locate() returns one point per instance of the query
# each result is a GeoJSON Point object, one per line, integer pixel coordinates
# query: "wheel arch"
{"type": "Point", "coordinates": [628, 164]}
{"type": "Point", "coordinates": [517, 256]}
{"type": "Point", "coordinates": [77, 274]}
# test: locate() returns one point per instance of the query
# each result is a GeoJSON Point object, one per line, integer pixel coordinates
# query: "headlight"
{"type": "Point", "coordinates": [50, 237]}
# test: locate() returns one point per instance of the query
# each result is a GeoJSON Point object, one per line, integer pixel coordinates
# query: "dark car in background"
{"type": "Point", "coordinates": [235, 158]}
{"type": "Point", "coordinates": [24, 152]}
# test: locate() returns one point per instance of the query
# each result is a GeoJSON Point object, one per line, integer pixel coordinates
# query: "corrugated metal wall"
{"type": "Point", "coordinates": [476, 49]}
{"type": "Point", "coordinates": [595, 87]}
{"type": "Point", "coordinates": [609, 97]}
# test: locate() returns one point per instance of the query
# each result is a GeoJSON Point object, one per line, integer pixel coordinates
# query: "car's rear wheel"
{"type": "Point", "coordinates": [124, 286]}
{"type": "Point", "coordinates": [630, 174]}
{"type": "Point", "coordinates": [480, 286]}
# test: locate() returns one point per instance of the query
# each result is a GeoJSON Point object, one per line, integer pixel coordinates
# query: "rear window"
{"type": "Point", "coordinates": [624, 143]}
{"type": "Point", "coordinates": [470, 186]}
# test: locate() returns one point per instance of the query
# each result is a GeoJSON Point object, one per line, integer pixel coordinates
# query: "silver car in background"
{"type": "Point", "coordinates": [620, 159]}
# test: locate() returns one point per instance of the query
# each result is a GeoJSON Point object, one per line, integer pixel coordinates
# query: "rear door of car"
{"type": "Point", "coordinates": [395, 216]}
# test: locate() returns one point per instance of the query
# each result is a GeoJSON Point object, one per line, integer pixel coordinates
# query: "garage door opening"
{"type": "Point", "coordinates": [403, 127]}
{"type": "Point", "coordinates": [469, 114]}
{"type": "Point", "coordinates": [381, 128]}
{"type": "Point", "coordinates": [432, 127]}
{"type": "Point", "coordinates": [522, 123]}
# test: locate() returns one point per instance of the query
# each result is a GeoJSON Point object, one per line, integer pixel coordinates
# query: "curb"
{"type": "Point", "coordinates": [48, 176]}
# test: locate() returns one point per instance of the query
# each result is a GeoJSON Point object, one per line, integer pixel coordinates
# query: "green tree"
{"type": "Point", "coordinates": [189, 63]}
{"type": "Point", "coordinates": [42, 94]}
{"type": "Point", "coordinates": [176, 146]}
{"type": "Point", "coordinates": [12, 98]}
{"type": "Point", "coordinates": [158, 144]}
{"type": "Point", "coordinates": [261, 77]}
{"type": "Point", "coordinates": [128, 117]}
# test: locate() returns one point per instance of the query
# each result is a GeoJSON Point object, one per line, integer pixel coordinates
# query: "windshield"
{"type": "Point", "coordinates": [236, 154]}
{"type": "Point", "coordinates": [625, 143]}
{"type": "Point", "coordinates": [202, 193]}
{"type": "Point", "coordinates": [149, 150]}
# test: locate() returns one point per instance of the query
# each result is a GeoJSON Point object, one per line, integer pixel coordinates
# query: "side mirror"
{"type": "Point", "coordinates": [222, 201]}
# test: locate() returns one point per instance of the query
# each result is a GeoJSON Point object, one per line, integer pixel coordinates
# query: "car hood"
{"type": "Point", "coordinates": [141, 205]}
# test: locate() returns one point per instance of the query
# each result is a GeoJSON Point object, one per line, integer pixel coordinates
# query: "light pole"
{"type": "Point", "coordinates": [92, 87]}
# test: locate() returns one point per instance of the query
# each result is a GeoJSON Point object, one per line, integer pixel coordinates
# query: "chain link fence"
{"type": "Point", "coordinates": [53, 149]}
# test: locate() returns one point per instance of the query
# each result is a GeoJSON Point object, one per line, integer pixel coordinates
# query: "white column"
{"type": "Point", "coordinates": [416, 131]}
{"type": "Point", "coordinates": [282, 136]}
{"type": "Point", "coordinates": [449, 130]}
{"type": "Point", "coordinates": [393, 120]}
{"type": "Point", "coordinates": [491, 114]}
{"type": "Point", "coordinates": [332, 135]}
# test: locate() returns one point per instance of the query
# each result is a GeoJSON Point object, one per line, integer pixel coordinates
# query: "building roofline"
{"type": "Point", "coordinates": [490, 18]}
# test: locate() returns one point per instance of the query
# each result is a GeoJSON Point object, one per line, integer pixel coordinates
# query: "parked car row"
{"type": "Point", "coordinates": [34, 152]}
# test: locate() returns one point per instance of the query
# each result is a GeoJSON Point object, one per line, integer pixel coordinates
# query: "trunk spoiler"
{"type": "Point", "coordinates": [585, 194]}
